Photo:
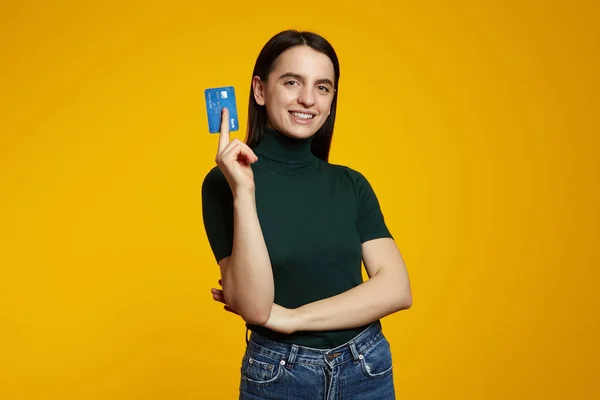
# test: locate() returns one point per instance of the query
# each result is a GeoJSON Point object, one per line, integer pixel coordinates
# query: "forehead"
{"type": "Point", "coordinates": [305, 61]}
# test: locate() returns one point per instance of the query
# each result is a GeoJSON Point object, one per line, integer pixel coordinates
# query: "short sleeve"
{"type": "Point", "coordinates": [217, 213]}
{"type": "Point", "coordinates": [370, 221]}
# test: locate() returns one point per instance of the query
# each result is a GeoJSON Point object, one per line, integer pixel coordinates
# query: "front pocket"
{"type": "Point", "coordinates": [376, 362]}
{"type": "Point", "coordinates": [259, 369]}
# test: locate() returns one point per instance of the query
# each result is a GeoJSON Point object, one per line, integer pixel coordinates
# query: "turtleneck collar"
{"type": "Point", "coordinates": [278, 147]}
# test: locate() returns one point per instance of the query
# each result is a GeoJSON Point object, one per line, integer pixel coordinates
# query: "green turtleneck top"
{"type": "Point", "coordinates": [314, 217]}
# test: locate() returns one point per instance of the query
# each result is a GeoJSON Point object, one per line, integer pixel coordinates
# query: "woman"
{"type": "Point", "coordinates": [289, 231]}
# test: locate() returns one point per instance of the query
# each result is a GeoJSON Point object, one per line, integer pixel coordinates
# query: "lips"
{"type": "Point", "coordinates": [301, 118]}
{"type": "Point", "coordinates": [302, 115]}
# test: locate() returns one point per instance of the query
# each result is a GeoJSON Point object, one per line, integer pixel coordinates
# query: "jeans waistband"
{"type": "Point", "coordinates": [292, 353]}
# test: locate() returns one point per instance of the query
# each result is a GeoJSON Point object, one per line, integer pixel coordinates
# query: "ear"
{"type": "Point", "coordinates": [258, 88]}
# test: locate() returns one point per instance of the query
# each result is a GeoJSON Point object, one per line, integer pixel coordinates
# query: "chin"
{"type": "Point", "coordinates": [299, 133]}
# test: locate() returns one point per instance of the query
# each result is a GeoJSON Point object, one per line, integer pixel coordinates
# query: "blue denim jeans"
{"type": "Point", "coordinates": [360, 369]}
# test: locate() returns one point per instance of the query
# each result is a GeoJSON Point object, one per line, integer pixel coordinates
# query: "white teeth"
{"type": "Point", "coordinates": [302, 115]}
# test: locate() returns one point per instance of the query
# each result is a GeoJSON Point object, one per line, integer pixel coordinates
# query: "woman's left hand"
{"type": "Point", "coordinates": [282, 320]}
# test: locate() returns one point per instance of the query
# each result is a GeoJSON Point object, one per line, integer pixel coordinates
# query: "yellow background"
{"type": "Point", "coordinates": [476, 122]}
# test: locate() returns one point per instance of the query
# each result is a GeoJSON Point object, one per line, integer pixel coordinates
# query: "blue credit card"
{"type": "Point", "coordinates": [216, 100]}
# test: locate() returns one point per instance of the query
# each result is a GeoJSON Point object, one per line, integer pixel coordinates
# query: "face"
{"type": "Point", "coordinates": [298, 92]}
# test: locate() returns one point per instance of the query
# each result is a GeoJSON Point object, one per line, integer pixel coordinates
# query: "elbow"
{"type": "Point", "coordinates": [407, 302]}
{"type": "Point", "coordinates": [403, 301]}
{"type": "Point", "coordinates": [256, 316]}
{"type": "Point", "coordinates": [254, 313]}
{"type": "Point", "coordinates": [403, 296]}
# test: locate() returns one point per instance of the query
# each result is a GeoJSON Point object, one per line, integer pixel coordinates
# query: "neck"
{"type": "Point", "coordinates": [276, 146]}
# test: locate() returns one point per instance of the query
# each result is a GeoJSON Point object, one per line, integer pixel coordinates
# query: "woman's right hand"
{"type": "Point", "coordinates": [235, 158]}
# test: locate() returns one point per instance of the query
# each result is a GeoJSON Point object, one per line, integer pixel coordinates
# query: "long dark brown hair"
{"type": "Point", "coordinates": [257, 114]}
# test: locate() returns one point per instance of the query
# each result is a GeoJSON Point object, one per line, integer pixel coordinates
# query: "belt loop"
{"type": "Point", "coordinates": [292, 356]}
{"type": "Point", "coordinates": [247, 341]}
{"type": "Point", "coordinates": [354, 351]}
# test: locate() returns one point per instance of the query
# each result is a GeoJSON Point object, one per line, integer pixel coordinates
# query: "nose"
{"type": "Point", "coordinates": [306, 97]}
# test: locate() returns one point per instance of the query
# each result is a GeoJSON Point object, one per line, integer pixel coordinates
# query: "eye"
{"type": "Point", "coordinates": [290, 83]}
{"type": "Point", "coordinates": [323, 88]}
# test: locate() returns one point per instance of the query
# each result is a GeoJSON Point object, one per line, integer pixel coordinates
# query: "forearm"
{"type": "Point", "coordinates": [377, 297]}
{"type": "Point", "coordinates": [248, 278]}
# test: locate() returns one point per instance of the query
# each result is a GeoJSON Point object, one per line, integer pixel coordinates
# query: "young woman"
{"type": "Point", "coordinates": [289, 231]}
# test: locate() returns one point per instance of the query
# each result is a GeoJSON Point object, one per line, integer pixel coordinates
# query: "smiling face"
{"type": "Point", "coordinates": [298, 92]}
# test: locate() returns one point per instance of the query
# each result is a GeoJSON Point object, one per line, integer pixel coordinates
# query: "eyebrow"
{"type": "Point", "coordinates": [301, 78]}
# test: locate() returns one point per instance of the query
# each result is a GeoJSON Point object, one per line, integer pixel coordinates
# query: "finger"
{"type": "Point", "coordinates": [224, 134]}
{"type": "Point", "coordinates": [219, 299]}
{"type": "Point", "coordinates": [234, 144]}
{"type": "Point", "coordinates": [231, 310]}
{"type": "Point", "coordinates": [238, 149]}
